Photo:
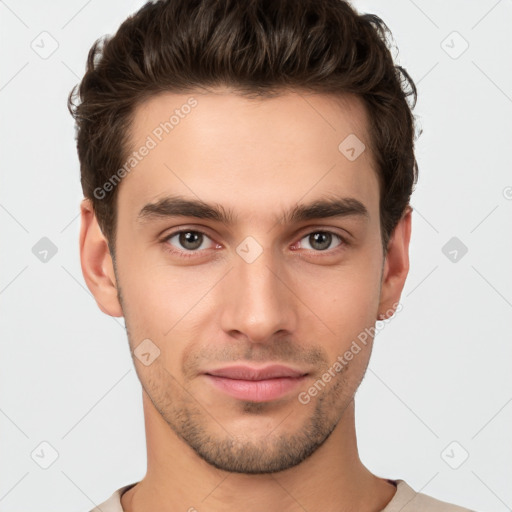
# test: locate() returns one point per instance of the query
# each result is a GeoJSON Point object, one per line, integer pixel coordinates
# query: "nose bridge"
{"type": "Point", "coordinates": [258, 303]}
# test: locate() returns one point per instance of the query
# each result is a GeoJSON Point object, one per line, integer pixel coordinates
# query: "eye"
{"type": "Point", "coordinates": [189, 241]}
{"type": "Point", "coordinates": [320, 240]}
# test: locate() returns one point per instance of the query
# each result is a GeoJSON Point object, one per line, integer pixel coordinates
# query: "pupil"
{"type": "Point", "coordinates": [320, 241]}
{"type": "Point", "coordinates": [190, 240]}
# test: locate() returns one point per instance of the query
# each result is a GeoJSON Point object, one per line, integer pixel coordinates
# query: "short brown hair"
{"type": "Point", "coordinates": [259, 48]}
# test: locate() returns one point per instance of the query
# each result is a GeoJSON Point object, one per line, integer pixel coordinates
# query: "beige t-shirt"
{"type": "Point", "coordinates": [404, 500]}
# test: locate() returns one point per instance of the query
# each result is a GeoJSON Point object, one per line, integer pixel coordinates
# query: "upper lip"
{"type": "Point", "coordinates": [242, 372]}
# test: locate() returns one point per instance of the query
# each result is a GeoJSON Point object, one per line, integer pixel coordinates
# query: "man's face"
{"type": "Point", "coordinates": [266, 288]}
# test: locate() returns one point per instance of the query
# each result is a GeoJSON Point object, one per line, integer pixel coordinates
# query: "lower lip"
{"type": "Point", "coordinates": [256, 390]}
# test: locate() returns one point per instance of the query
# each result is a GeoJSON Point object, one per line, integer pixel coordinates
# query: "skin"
{"type": "Point", "coordinates": [295, 304]}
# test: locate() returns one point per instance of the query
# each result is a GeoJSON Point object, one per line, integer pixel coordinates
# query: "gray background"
{"type": "Point", "coordinates": [438, 388]}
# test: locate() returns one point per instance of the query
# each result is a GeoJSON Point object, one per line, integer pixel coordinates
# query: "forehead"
{"type": "Point", "coordinates": [249, 154]}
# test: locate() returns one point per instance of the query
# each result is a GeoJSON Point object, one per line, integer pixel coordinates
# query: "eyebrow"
{"type": "Point", "coordinates": [179, 206]}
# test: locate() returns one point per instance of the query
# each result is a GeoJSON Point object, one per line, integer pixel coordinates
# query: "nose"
{"type": "Point", "coordinates": [259, 302]}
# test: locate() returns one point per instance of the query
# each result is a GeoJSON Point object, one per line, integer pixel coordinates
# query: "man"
{"type": "Point", "coordinates": [247, 168]}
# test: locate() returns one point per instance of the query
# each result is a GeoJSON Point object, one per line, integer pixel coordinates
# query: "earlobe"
{"type": "Point", "coordinates": [96, 262]}
{"type": "Point", "coordinates": [396, 266]}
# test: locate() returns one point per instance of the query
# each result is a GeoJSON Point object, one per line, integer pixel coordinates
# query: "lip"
{"type": "Point", "coordinates": [243, 372]}
{"type": "Point", "coordinates": [256, 384]}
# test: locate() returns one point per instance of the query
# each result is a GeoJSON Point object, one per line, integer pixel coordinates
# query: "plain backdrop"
{"type": "Point", "coordinates": [435, 406]}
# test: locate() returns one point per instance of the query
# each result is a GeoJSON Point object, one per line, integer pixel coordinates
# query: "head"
{"type": "Point", "coordinates": [247, 169]}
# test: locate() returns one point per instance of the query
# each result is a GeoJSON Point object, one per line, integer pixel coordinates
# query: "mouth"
{"type": "Point", "coordinates": [256, 384]}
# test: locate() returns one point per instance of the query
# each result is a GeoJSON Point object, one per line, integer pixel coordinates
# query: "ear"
{"type": "Point", "coordinates": [96, 261]}
{"type": "Point", "coordinates": [396, 266]}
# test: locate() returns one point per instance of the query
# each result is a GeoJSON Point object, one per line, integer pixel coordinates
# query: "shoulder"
{"type": "Point", "coordinates": [113, 504]}
{"type": "Point", "coordinates": [406, 499]}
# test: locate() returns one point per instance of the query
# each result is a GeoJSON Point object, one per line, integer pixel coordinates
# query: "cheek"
{"type": "Point", "coordinates": [346, 300]}
{"type": "Point", "coordinates": [347, 293]}
{"type": "Point", "coordinates": [166, 304]}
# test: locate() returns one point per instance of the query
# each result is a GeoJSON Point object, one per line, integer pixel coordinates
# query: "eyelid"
{"type": "Point", "coordinates": [334, 230]}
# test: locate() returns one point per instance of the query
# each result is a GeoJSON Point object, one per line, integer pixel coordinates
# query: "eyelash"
{"type": "Point", "coordinates": [194, 253]}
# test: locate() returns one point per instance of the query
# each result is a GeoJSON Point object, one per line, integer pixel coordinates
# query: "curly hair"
{"type": "Point", "coordinates": [259, 48]}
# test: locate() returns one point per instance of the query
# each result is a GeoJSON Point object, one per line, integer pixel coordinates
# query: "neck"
{"type": "Point", "coordinates": [331, 479]}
